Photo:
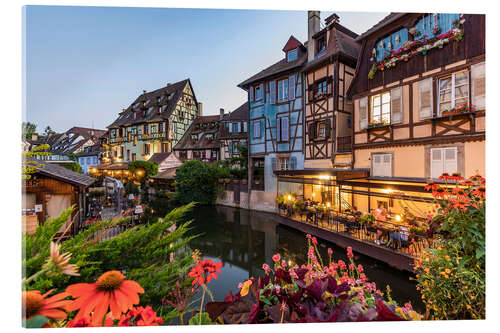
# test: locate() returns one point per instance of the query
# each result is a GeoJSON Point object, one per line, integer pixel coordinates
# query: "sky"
{"type": "Point", "coordinates": [83, 65]}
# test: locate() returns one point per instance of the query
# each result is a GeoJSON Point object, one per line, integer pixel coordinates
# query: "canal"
{"type": "Point", "coordinates": [243, 240]}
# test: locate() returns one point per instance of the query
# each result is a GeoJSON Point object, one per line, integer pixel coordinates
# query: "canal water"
{"type": "Point", "coordinates": [243, 240]}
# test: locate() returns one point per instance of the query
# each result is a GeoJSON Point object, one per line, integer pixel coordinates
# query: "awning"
{"type": "Point", "coordinates": [338, 173]}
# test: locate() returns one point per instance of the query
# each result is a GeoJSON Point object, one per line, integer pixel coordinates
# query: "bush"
{"type": "Point", "coordinates": [143, 253]}
{"type": "Point", "coordinates": [72, 166]}
{"type": "Point", "coordinates": [196, 181]}
{"type": "Point", "coordinates": [451, 277]}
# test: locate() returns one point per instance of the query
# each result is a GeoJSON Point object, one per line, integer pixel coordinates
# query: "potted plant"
{"type": "Point", "coordinates": [227, 180]}
{"type": "Point", "coordinates": [243, 181]}
{"type": "Point", "coordinates": [298, 205]}
{"type": "Point", "coordinates": [221, 180]}
{"type": "Point", "coordinates": [367, 219]}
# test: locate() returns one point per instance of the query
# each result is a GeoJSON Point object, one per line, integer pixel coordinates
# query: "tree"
{"type": "Point", "coordinates": [196, 181]}
{"type": "Point", "coordinates": [30, 164]}
{"type": "Point", "coordinates": [73, 166]}
{"type": "Point", "coordinates": [28, 130]}
{"type": "Point", "coordinates": [143, 253]}
{"type": "Point", "coordinates": [143, 169]}
{"type": "Point", "coordinates": [48, 131]}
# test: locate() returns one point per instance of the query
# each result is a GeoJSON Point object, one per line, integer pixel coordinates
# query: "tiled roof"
{"type": "Point", "coordinates": [341, 41]}
{"type": "Point", "coordinates": [70, 141]}
{"type": "Point", "coordinates": [63, 174]}
{"type": "Point", "coordinates": [167, 105]}
{"type": "Point", "coordinates": [292, 43]}
{"type": "Point", "coordinates": [159, 157]}
{"type": "Point", "coordinates": [240, 113]}
{"type": "Point", "coordinates": [167, 174]}
{"type": "Point", "coordinates": [197, 127]}
{"type": "Point", "coordinates": [382, 23]}
{"type": "Point", "coordinates": [279, 67]}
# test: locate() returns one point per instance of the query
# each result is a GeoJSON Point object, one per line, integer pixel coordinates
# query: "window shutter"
{"type": "Point", "coordinates": [425, 98]}
{"type": "Point", "coordinates": [293, 163]}
{"type": "Point", "coordinates": [478, 79]}
{"type": "Point", "coordinates": [272, 92]}
{"type": "Point", "coordinates": [450, 160]}
{"type": "Point", "coordinates": [436, 163]}
{"type": "Point", "coordinates": [396, 106]}
{"type": "Point", "coordinates": [274, 163]}
{"type": "Point", "coordinates": [328, 128]}
{"type": "Point", "coordinates": [387, 165]}
{"type": "Point", "coordinates": [278, 129]}
{"type": "Point", "coordinates": [291, 87]}
{"type": "Point", "coordinates": [256, 129]}
{"type": "Point", "coordinates": [284, 129]}
{"type": "Point", "coordinates": [251, 94]}
{"type": "Point", "coordinates": [363, 112]}
{"type": "Point", "coordinates": [312, 130]}
{"type": "Point", "coordinates": [262, 92]}
{"type": "Point", "coordinates": [376, 165]}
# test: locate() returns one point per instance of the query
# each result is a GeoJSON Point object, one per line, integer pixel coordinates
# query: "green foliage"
{"type": "Point", "coordinates": [451, 277]}
{"type": "Point", "coordinates": [239, 163]}
{"type": "Point", "coordinates": [221, 170]}
{"type": "Point", "coordinates": [28, 129]}
{"type": "Point", "coordinates": [35, 322]}
{"type": "Point", "coordinates": [143, 253]}
{"type": "Point", "coordinates": [150, 169]}
{"type": "Point", "coordinates": [367, 218]}
{"type": "Point", "coordinates": [130, 187]}
{"type": "Point", "coordinates": [75, 167]}
{"type": "Point", "coordinates": [196, 182]}
{"type": "Point", "coordinates": [205, 319]}
{"type": "Point", "coordinates": [30, 165]}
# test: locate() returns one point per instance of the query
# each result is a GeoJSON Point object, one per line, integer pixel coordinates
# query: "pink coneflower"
{"type": "Point", "coordinates": [59, 263]}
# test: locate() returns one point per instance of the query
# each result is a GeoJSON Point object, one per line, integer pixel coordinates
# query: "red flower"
{"type": "Point", "coordinates": [431, 186]}
{"type": "Point", "coordinates": [205, 271]}
{"type": "Point", "coordinates": [445, 176]}
{"type": "Point", "coordinates": [480, 192]}
{"type": "Point", "coordinates": [440, 193]}
{"type": "Point", "coordinates": [460, 193]}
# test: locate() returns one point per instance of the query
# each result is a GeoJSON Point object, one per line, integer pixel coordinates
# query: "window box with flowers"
{"type": "Point", "coordinates": [461, 109]}
{"type": "Point", "coordinates": [377, 124]}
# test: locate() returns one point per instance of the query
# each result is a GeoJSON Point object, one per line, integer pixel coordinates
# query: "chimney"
{"type": "Point", "coordinates": [168, 84]}
{"type": "Point", "coordinates": [34, 136]}
{"type": "Point", "coordinates": [144, 91]}
{"type": "Point", "coordinates": [200, 109]}
{"type": "Point", "coordinates": [221, 113]}
{"type": "Point", "coordinates": [313, 21]}
{"type": "Point", "coordinates": [334, 18]}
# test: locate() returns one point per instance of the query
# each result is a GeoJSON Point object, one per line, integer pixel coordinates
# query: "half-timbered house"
{"type": "Point", "coordinates": [419, 101]}
{"type": "Point", "coordinates": [275, 97]}
{"type": "Point", "coordinates": [153, 123]}
{"type": "Point", "coordinates": [233, 131]}
{"type": "Point", "coordinates": [332, 54]}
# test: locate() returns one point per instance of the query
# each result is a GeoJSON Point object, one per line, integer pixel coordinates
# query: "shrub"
{"type": "Point", "coordinates": [196, 181]}
{"type": "Point", "coordinates": [451, 277]}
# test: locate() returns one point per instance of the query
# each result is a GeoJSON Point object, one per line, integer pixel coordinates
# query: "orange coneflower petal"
{"type": "Point", "coordinates": [122, 300]}
{"type": "Point", "coordinates": [100, 311]}
{"type": "Point", "coordinates": [52, 313]}
{"type": "Point", "coordinates": [58, 304]}
{"type": "Point", "coordinates": [132, 285]}
{"type": "Point", "coordinates": [131, 296]}
{"type": "Point", "coordinates": [78, 303]}
{"type": "Point", "coordinates": [80, 289]}
{"type": "Point", "coordinates": [57, 297]}
{"type": "Point", "coordinates": [114, 306]}
{"type": "Point", "coordinates": [46, 294]}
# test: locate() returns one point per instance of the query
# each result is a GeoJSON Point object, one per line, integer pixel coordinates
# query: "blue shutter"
{"type": "Point", "coordinates": [278, 129]}
{"type": "Point", "coordinates": [291, 87]}
{"type": "Point", "coordinates": [251, 94]}
{"type": "Point", "coordinates": [293, 163]}
{"type": "Point", "coordinates": [274, 163]}
{"type": "Point", "coordinates": [272, 92]}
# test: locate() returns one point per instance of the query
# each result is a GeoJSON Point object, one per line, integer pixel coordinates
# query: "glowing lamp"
{"type": "Point", "coordinates": [398, 218]}
{"type": "Point", "coordinates": [289, 197]}
{"type": "Point", "coordinates": [328, 204]}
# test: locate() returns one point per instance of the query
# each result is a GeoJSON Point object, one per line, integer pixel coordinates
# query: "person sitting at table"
{"type": "Point", "coordinates": [380, 217]}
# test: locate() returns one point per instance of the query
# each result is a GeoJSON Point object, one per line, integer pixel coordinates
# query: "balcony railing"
{"type": "Point", "coordinates": [344, 144]}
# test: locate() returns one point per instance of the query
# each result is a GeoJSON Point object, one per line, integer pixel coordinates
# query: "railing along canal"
{"type": "Point", "coordinates": [381, 233]}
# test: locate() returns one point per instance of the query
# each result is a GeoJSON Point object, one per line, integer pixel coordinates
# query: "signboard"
{"type": "Point", "coordinates": [138, 209]}
{"type": "Point", "coordinates": [38, 208]}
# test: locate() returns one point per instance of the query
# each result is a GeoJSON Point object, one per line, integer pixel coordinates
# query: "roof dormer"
{"type": "Point", "coordinates": [291, 49]}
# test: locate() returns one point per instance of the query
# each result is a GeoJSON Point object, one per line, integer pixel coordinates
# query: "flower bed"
{"type": "Point", "coordinates": [415, 47]}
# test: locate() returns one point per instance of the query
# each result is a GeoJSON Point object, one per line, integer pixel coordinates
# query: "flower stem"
{"type": "Point", "coordinates": [202, 300]}
{"type": "Point", "coordinates": [181, 315]}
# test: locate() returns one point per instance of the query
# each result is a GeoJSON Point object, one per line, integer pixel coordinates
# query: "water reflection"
{"type": "Point", "coordinates": [243, 240]}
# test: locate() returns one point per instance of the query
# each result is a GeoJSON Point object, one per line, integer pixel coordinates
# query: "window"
{"type": "Point", "coordinates": [443, 160]}
{"type": "Point", "coordinates": [194, 136]}
{"type": "Point", "coordinates": [160, 127]}
{"type": "Point", "coordinates": [453, 91]}
{"type": "Point", "coordinates": [283, 163]}
{"type": "Point", "coordinates": [236, 127]}
{"type": "Point", "coordinates": [282, 128]}
{"type": "Point", "coordinates": [235, 147]}
{"type": "Point", "coordinates": [292, 55]}
{"type": "Point", "coordinates": [321, 129]}
{"type": "Point", "coordinates": [153, 128]}
{"type": "Point", "coordinates": [258, 93]}
{"type": "Point", "coordinates": [283, 90]}
{"type": "Point", "coordinates": [245, 126]}
{"type": "Point", "coordinates": [164, 147]}
{"type": "Point", "coordinates": [213, 154]}
{"type": "Point", "coordinates": [146, 128]}
{"type": "Point", "coordinates": [209, 136]}
{"type": "Point", "coordinates": [256, 129]}
{"type": "Point", "coordinates": [321, 44]}
{"type": "Point", "coordinates": [321, 87]}
{"type": "Point", "coordinates": [381, 108]}
{"type": "Point", "coordinates": [382, 165]}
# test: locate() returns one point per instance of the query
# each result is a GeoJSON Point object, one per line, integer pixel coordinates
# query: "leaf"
{"type": "Point", "coordinates": [215, 309]}
{"type": "Point", "coordinates": [275, 313]}
{"type": "Point", "coordinates": [36, 322]}
{"type": "Point", "coordinates": [205, 319]}
{"type": "Point", "coordinates": [239, 311]}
